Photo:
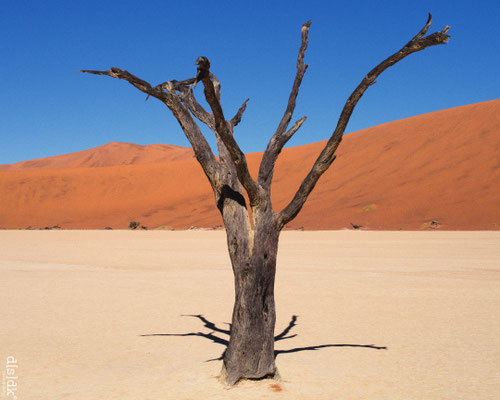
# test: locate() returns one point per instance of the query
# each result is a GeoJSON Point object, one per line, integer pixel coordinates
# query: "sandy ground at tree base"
{"type": "Point", "coordinates": [379, 315]}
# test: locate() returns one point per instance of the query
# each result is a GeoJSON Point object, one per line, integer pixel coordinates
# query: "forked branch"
{"type": "Point", "coordinates": [237, 118]}
{"type": "Point", "coordinates": [325, 159]}
{"type": "Point", "coordinates": [163, 92]}
{"type": "Point", "coordinates": [295, 127]}
{"type": "Point", "coordinates": [280, 138]}
{"type": "Point", "coordinates": [187, 97]}
{"type": "Point", "coordinates": [223, 129]}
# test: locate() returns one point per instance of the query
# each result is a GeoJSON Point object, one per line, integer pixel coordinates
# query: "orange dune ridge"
{"type": "Point", "coordinates": [433, 171]}
{"type": "Point", "coordinates": [113, 153]}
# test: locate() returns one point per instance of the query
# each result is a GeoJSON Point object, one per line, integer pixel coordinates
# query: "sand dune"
{"type": "Point", "coordinates": [443, 167]}
{"type": "Point", "coordinates": [113, 153]}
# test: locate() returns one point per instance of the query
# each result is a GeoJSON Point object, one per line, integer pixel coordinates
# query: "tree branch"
{"type": "Point", "coordinates": [200, 146]}
{"type": "Point", "coordinates": [143, 86]}
{"type": "Point", "coordinates": [216, 84]}
{"type": "Point", "coordinates": [279, 138]}
{"type": "Point", "coordinates": [422, 31]}
{"type": "Point", "coordinates": [288, 134]}
{"type": "Point", "coordinates": [237, 118]}
{"type": "Point", "coordinates": [224, 131]}
{"type": "Point", "coordinates": [185, 84]}
{"type": "Point", "coordinates": [187, 97]}
{"type": "Point", "coordinates": [325, 159]}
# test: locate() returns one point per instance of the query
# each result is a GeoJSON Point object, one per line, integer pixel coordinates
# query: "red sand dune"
{"type": "Point", "coordinates": [443, 166]}
{"type": "Point", "coordinates": [113, 153]}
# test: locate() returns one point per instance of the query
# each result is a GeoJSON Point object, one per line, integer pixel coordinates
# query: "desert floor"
{"type": "Point", "coordinates": [378, 315]}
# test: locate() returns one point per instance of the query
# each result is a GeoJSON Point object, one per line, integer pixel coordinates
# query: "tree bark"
{"type": "Point", "coordinates": [250, 353]}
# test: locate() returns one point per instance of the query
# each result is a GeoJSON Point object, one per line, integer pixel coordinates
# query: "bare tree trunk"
{"type": "Point", "coordinates": [250, 353]}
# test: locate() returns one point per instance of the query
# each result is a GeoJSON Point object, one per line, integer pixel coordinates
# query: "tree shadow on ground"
{"type": "Point", "coordinates": [282, 336]}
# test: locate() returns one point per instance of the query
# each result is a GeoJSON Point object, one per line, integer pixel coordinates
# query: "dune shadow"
{"type": "Point", "coordinates": [282, 336]}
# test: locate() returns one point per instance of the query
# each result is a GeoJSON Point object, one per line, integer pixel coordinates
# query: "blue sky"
{"type": "Point", "coordinates": [47, 107]}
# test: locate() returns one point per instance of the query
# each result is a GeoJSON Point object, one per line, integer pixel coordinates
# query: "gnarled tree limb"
{"type": "Point", "coordinates": [325, 159]}
{"type": "Point", "coordinates": [223, 129]}
{"type": "Point", "coordinates": [187, 96]}
{"type": "Point", "coordinates": [200, 146]}
{"type": "Point", "coordinates": [143, 86]}
{"type": "Point", "coordinates": [279, 138]}
{"type": "Point", "coordinates": [216, 83]}
{"type": "Point", "coordinates": [197, 109]}
{"type": "Point", "coordinates": [237, 118]}
{"type": "Point", "coordinates": [289, 133]}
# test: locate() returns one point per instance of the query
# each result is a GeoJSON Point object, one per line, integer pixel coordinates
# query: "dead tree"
{"type": "Point", "coordinates": [253, 246]}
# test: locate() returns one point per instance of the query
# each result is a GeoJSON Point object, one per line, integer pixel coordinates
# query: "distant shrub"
{"type": "Point", "coordinates": [430, 225]}
{"type": "Point", "coordinates": [164, 228]}
{"type": "Point", "coordinates": [134, 225]}
{"type": "Point", "coordinates": [49, 228]}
